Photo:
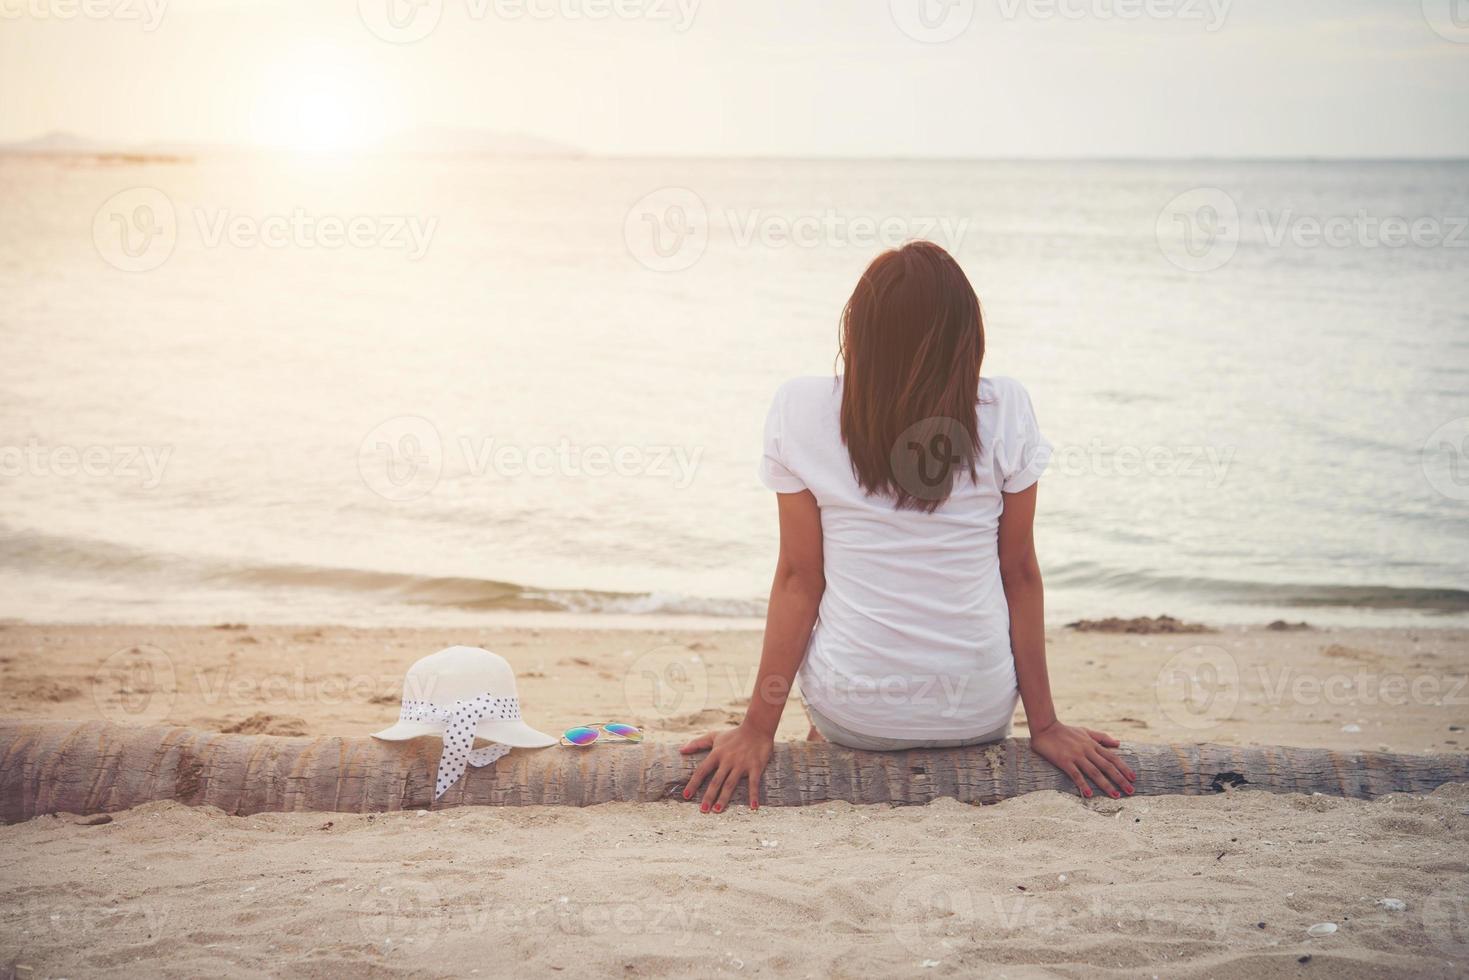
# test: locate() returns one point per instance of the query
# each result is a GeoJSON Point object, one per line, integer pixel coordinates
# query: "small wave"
{"type": "Point", "coordinates": [1435, 600]}
{"type": "Point", "coordinates": [651, 603]}
{"type": "Point", "coordinates": [79, 558]}
{"type": "Point", "coordinates": [147, 571]}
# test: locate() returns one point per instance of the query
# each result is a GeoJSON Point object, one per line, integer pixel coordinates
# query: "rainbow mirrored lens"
{"type": "Point", "coordinates": [580, 736]}
{"type": "Point", "coordinates": [625, 731]}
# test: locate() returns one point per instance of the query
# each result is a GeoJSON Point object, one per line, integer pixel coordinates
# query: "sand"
{"type": "Point", "coordinates": [1038, 886]}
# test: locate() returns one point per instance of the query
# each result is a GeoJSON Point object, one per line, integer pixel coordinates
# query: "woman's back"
{"type": "Point", "coordinates": [914, 614]}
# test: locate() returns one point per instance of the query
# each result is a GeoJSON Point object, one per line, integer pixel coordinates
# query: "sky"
{"type": "Point", "coordinates": [801, 78]}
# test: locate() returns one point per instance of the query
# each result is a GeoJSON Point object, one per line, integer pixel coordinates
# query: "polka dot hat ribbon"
{"type": "Point", "coordinates": [460, 720]}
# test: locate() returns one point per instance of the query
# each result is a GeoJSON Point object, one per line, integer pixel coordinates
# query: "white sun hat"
{"type": "Point", "coordinates": [460, 694]}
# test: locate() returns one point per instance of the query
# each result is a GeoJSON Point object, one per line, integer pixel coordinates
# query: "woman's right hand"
{"type": "Point", "coordinates": [739, 753]}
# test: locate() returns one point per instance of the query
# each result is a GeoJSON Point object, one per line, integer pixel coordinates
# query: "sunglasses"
{"type": "Point", "coordinates": [587, 734]}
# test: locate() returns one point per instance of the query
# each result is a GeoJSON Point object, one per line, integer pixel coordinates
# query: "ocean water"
{"type": "Point", "coordinates": [448, 390]}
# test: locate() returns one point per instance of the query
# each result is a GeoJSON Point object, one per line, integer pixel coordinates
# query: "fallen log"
{"type": "Point", "coordinates": [94, 767]}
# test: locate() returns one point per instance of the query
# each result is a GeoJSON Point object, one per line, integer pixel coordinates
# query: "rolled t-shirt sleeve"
{"type": "Point", "coordinates": [775, 470]}
{"type": "Point", "coordinates": [1021, 452]}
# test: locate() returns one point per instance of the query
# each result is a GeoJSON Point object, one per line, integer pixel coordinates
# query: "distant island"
{"type": "Point", "coordinates": [419, 142]}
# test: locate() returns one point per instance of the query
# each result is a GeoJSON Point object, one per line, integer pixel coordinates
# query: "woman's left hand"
{"type": "Point", "coordinates": [740, 753]}
{"type": "Point", "coordinates": [1084, 754]}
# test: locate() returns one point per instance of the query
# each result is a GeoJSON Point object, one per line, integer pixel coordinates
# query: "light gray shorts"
{"type": "Point", "coordinates": [838, 735]}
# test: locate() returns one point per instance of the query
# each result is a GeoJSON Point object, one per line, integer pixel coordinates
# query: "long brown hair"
{"type": "Point", "coordinates": [912, 339]}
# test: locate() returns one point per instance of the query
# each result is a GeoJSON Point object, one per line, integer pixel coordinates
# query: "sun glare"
{"type": "Point", "coordinates": [318, 101]}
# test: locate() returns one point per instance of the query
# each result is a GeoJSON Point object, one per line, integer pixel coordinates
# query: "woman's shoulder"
{"type": "Point", "coordinates": [809, 390]}
{"type": "Point", "coordinates": [1001, 389]}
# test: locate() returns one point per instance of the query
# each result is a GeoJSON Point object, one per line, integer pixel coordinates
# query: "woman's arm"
{"type": "Point", "coordinates": [1081, 753]}
{"type": "Point", "coordinates": [795, 596]}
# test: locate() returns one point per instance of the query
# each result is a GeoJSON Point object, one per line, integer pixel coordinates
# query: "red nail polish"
{"type": "Point", "coordinates": [1086, 792]}
{"type": "Point", "coordinates": [718, 809]}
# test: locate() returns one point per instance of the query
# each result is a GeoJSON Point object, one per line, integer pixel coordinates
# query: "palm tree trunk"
{"type": "Point", "coordinates": [65, 767]}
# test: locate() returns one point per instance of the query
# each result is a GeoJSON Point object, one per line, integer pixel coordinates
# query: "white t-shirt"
{"type": "Point", "coordinates": [913, 636]}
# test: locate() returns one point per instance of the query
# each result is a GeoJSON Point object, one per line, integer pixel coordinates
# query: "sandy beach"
{"type": "Point", "coordinates": [1041, 885]}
